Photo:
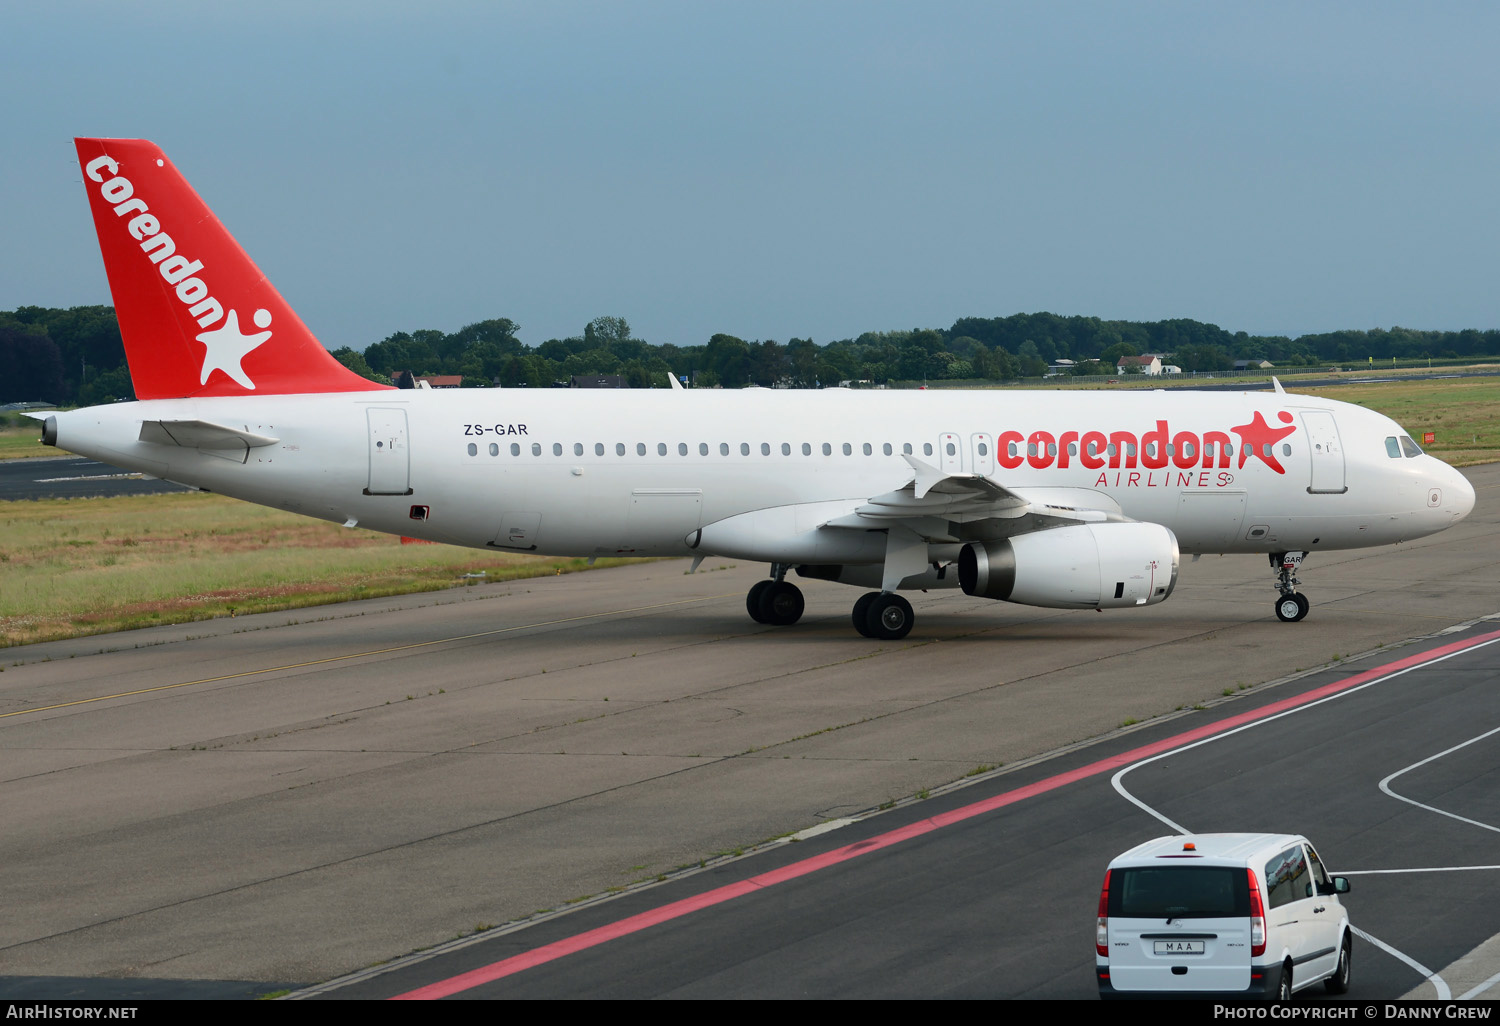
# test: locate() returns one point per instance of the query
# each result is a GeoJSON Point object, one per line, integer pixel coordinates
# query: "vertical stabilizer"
{"type": "Point", "coordinates": [197, 316]}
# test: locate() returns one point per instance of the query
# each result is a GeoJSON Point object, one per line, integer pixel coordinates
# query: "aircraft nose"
{"type": "Point", "coordinates": [1461, 496]}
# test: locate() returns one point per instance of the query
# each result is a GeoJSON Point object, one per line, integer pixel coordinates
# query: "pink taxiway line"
{"type": "Point", "coordinates": [674, 910]}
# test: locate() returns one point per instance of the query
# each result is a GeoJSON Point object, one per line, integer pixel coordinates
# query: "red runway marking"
{"type": "Point", "coordinates": [634, 924]}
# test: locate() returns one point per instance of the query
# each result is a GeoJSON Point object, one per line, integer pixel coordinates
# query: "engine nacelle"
{"type": "Point", "coordinates": [1090, 566]}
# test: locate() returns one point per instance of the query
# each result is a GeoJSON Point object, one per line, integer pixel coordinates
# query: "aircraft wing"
{"type": "Point", "coordinates": [924, 511]}
{"type": "Point", "coordinates": [933, 495]}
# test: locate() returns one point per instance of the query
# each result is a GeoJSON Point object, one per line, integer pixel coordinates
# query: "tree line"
{"type": "Point", "coordinates": [74, 356]}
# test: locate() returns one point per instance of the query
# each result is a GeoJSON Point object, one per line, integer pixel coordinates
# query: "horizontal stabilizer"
{"type": "Point", "coordinates": [201, 434]}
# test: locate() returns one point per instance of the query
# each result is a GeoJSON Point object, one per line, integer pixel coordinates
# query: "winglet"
{"type": "Point", "coordinates": [197, 316]}
{"type": "Point", "coordinates": [927, 475]}
{"type": "Point", "coordinates": [676, 385]}
{"type": "Point", "coordinates": [1277, 385]}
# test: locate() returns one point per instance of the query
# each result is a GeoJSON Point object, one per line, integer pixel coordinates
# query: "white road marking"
{"type": "Point", "coordinates": [1443, 993]}
{"type": "Point", "coordinates": [1385, 784]}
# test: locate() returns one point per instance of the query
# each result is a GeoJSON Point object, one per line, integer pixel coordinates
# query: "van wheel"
{"type": "Point", "coordinates": [1338, 983]}
{"type": "Point", "coordinates": [1284, 992]}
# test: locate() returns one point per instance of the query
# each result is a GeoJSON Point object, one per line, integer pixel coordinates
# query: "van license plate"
{"type": "Point", "coordinates": [1177, 947]}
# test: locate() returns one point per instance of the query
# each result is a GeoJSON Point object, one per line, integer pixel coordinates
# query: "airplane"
{"type": "Point", "coordinates": [1062, 499]}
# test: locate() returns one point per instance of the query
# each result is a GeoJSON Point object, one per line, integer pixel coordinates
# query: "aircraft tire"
{"type": "Point", "coordinates": [753, 597]}
{"type": "Point", "coordinates": [890, 617]}
{"type": "Point", "coordinates": [861, 615]}
{"type": "Point", "coordinates": [781, 604]}
{"type": "Point", "coordinates": [1293, 607]}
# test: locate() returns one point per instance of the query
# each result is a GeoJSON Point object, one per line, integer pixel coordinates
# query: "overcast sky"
{"type": "Point", "coordinates": [785, 169]}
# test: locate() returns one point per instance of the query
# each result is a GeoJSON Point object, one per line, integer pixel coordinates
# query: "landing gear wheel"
{"type": "Point", "coordinates": [1293, 607]}
{"type": "Point", "coordinates": [1338, 983]}
{"type": "Point", "coordinates": [781, 604]}
{"type": "Point", "coordinates": [890, 617]}
{"type": "Point", "coordinates": [862, 614]}
{"type": "Point", "coordinates": [752, 600]}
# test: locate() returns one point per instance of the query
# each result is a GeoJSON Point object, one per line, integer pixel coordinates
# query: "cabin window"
{"type": "Point", "coordinates": [786, 448]}
{"type": "Point", "coordinates": [906, 448]}
{"type": "Point", "coordinates": [984, 450]}
{"type": "Point", "coordinates": [536, 448]}
{"type": "Point", "coordinates": [1187, 450]}
{"type": "Point", "coordinates": [806, 449]}
{"type": "Point", "coordinates": [557, 448]}
{"type": "Point", "coordinates": [474, 449]}
{"type": "Point", "coordinates": [744, 448]}
{"type": "Point", "coordinates": [619, 448]}
{"type": "Point", "coordinates": [868, 449]}
{"type": "Point", "coordinates": [577, 448]}
{"type": "Point", "coordinates": [702, 448]}
{"type": "Point", "coordinates": [1286, 450]}
{"type": "Point", "coordinates": [494, 448]}
{"type": "Point", "coordinates": [598, 448]}
{"type": "Point", "coordinates": [765, 448]}
{"type": "Point", "coordinates": [1072, 448]}
{"type": "Point", "coordinates": [515, 448]}
{"type": "Point", "coordinates": [1051, 448]}
{"type": "Point", "coordinates": [723, 448]}
{"type": "Point", "coordinates": [640, 448]}
{"type": "Point", "coordinates": [682, 448]}
{"type": "Point", "coordinates": [1011, 446]}
{"type": "Point", "coordinates": [1111, 449]}
{"type": "Point", "coordinates": [926, 448]}
{"type": "Point", "coordinates": [661, 448]}
{"type": "Point", "coordinates": [848, 449]}
{"type": "Point", "coordinates": [1031, 449]}
{"type": "Point", "coordinates": [1129, 448]}
{"type": "Point", "coordinates": [827, 449]}
{"type": "Point", "coordinates": [886, 448]}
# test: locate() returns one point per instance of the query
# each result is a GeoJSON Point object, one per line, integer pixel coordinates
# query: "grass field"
{"type": "Point", "coordinates": [22, 442]}
{"type": "Point", "coordinates": [85, 566]}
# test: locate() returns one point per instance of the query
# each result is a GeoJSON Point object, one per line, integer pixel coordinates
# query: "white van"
{"type": "Point", "coordinates": [1221, 915]}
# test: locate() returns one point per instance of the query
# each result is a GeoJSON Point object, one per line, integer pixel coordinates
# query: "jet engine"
{"type": "Point", "coordinates": [1087, 566]}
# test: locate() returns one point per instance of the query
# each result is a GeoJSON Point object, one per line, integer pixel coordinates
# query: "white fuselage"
{"type": "Point", "coordinates": [600, 472]}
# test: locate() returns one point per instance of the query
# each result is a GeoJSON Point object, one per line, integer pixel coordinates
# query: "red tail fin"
{"type": "Point", "coordinates": [197, 316]}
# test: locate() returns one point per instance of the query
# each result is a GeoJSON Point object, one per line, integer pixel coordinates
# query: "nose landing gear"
{"type": "Point", "coordinates": [1292, 605]}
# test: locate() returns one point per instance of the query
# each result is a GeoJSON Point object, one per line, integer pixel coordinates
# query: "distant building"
{"type": "Point", "coordinates": [1142, 365]}
{"type": "Point", "coordinates": [1240, 365]}
{"type": "Point", "coordinates": [406, 379]}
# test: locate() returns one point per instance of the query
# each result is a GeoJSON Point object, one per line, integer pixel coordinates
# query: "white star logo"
{"type": "Point", "coordinates": [225, 347]}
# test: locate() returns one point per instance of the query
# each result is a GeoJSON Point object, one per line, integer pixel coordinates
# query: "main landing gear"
{"type": "Point", "coordinates": [884, 615]}
{"type": "Point", "coordinates": [1292, 605]}
{"type": "Point", "coordinates": [777, 601]}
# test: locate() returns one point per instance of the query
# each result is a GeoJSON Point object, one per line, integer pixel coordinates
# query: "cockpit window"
{"type": "Point", "coordinates": [1393, 448]}
{"type": "Point", "coordinates": [1409, 447]}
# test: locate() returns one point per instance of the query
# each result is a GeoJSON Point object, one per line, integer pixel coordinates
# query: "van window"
{"type": "Point", "coordinates": [1287, 878]}
{"type": "Point", "coordinates": [1179, 892]}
